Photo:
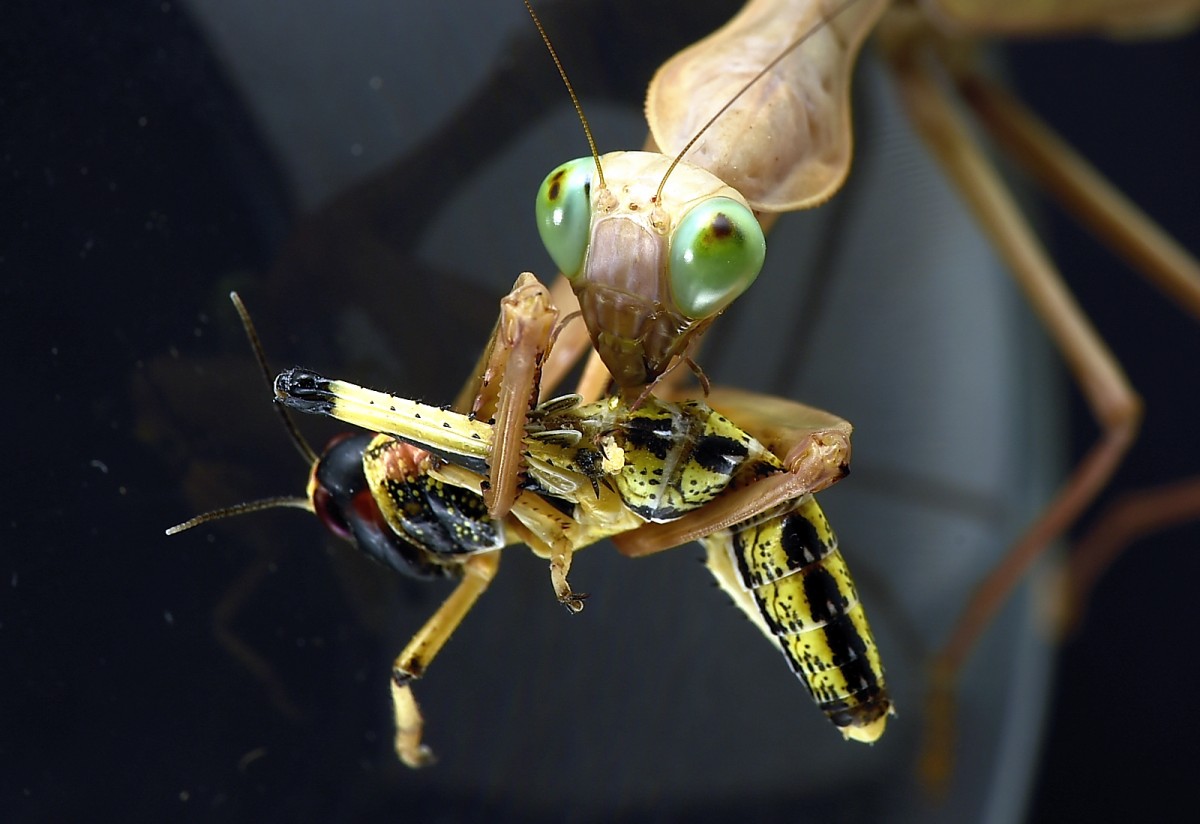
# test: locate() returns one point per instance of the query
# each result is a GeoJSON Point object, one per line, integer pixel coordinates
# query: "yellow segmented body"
{"type": "Point", "coordinates": [789, 565]}
{"type": "Point", "coordinates": [677, 457]}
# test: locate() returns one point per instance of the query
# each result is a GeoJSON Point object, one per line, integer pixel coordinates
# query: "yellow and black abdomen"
{"type": "Point", "coordinates": [788, 562]}
{"type": "Point", "coordinates": [782, 567]}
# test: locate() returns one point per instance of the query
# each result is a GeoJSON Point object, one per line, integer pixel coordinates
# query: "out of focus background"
{"type": "Point", "coordinates": [363, 173]}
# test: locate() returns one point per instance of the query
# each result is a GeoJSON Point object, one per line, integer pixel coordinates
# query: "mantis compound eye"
{"type": "Point", "coordinates": [716, 253]}
{"type": "Point", "coordinates": [564, 214]}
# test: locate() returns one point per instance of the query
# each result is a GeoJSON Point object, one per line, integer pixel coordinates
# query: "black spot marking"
{"type": "Point", "coordinates": [721, 227]}
{"type": "Point", "coordinates": [651, 435]}
{"type": "Point", "coordinates": [849, 651]}
{"type": "Point", "coordinates": [661, 427]}
{"type": "Point", "coordinates": [401, 677]}
{"type": "Point", "coordinates": [554, 187]}
{"type": "Point", "coordinates": [869, 705]}
{"type": "Point", "coordinates": [825, 599]}
{"type": "Point", "coordinates": [742, 538]}
{"type": "Point", "coordinates": [801, 542]}
{"type": "Point", "coordinates": [719, 454]}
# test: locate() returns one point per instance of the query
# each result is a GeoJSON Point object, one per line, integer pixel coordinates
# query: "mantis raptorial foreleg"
{"type": "Point", "coordinates": [505, 384]}
{"type": "Point", "coordinates": [510, 378]}
{"type": "Point", "coordinates": [508, 383]}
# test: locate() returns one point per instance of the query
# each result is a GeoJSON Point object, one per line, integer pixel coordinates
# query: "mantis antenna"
{"type": "Point", "coordinates": [571, 91]}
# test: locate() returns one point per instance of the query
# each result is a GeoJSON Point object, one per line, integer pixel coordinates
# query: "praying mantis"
{"type": "Point", "coordinates": [834, 405]}
{"type": "Point", "coordinates": [735, 146]}
{"type": "Point", "coordinates": [651, 267]}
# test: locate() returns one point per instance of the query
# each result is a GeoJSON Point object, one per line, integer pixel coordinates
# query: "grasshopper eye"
{"type": "Point", "coordinates": [564, 214]}
{"type": "Point", "coordinates": [716, 253]}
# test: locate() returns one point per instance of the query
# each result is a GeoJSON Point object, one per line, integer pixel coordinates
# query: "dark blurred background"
{"type": "Point", "coordinates": [236, 674]}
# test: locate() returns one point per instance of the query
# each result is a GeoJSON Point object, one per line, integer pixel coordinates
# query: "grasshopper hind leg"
{"type": "Point", "coordinates": [414, 659]}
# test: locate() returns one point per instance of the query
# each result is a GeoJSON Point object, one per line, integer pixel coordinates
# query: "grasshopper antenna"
{"type": "Point", "coordinates": [278, 502]}
{"type": "Point", "coordinates": [767, 69]}
{"type": "Point", "coordinates": [570, 90]}
{"type": "Point", "coordinates": [302, 446]}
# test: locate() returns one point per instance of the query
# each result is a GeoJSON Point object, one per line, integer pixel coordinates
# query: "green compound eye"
{"type": "Point", "coordinates": [716, 253]}
{"type": "Point", "coordinates": [564, 214]}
